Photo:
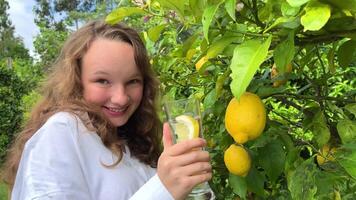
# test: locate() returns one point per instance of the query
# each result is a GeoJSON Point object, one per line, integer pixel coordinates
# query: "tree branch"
{"type": "Point", "coordinates": [300, 41]}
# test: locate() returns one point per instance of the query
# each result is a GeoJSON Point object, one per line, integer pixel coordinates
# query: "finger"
{"type": "Point", "coordinates": [167, 136]}
{"type": "Point", "coordinates": [200, 178]}
{"type": "Point", "coordinates": [195, 169]}
{"type": "Point", "coordinates": [186, 146]}
{"type": "Point", "coordinates": [192, 157]}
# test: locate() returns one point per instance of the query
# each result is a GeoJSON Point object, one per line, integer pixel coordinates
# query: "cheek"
{"type": "Point", "coordinates": [93, 95]}
{"type": "Point", "coordinates": [137, 95]}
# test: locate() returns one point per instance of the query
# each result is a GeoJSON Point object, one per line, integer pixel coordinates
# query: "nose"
{"type": "Point", "coordinates": [119, 96]}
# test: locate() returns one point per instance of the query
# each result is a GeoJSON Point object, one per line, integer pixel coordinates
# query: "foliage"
{"type": "Point", "coordinates": [216, 49]}
{"type": "Point", "coordinates": [11, 91]}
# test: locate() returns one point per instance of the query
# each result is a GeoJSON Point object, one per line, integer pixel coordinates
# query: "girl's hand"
{"type": "Point", "coordinates": [181, 166]}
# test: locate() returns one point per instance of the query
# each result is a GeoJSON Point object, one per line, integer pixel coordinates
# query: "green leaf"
{"type": "Point", "coordinates": [208, 16]}
{"type": "Point", "coordinates": [177, 5]}
{"type": "Point", "coordinates": [347, 130]}
{"type": "Point", "coordinates": [301, 182]}
{"type": "Point", "coordinates": [316, 16]}
{"type": "Point", "coordinates": [238, 185]}
{"type": "Point", "coordinates": [154, 32]}
{"type": "Point", "coordinates": [283, 54]}
{"type": "Point", "coordinates": [188, 44]}
{"type": "Point", "coordinates": [297, 3]}
{"type": "Point", "coordinates": [217, 47]}
{"type": "Point", "coordinates": [347, 53]}
{"type": "Point", "coordinates": [246, 60]}
{"type": "Point", "coordinates": [265, 13]}
{"type": "Point", "coordinates": [210, 99]}
{"type": "Point", "coordinates": [320, 129]}
{"type": "Point", "coordinates": [273, 167]}
{"type": "Point", "coordinates": [347, 158]}
{"type": "Point", "coordinates": [255, 181]}
{"type": "Point", "coordinates": [196, 6]}
{"type": "Point", "coordinates": [351, 108]}
{"type": "Point", "coordinates": [288, 10]}
{"type": "Point", "coordinates": [279, 21]}
{"type": "Point", "coordinates": [120, 13]}
{"type": "Point", "coordinates": [230, 8]}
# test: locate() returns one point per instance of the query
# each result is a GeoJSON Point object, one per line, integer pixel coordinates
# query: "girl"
{"type": "Point", "coordinates": [95, 134]}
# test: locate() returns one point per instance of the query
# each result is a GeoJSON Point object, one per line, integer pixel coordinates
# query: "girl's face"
{"type": "Point", "coordinates": [111, 79]}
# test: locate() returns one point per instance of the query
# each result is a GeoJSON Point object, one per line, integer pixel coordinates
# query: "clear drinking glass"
{"type": "Point", "coordinates": [185, 120]}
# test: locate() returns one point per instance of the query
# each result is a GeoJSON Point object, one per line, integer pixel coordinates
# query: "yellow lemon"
{"type": "Point", "coordinates": [237, 160]}
{"type": "Point", "coordinates": [245, 119]}
{"type": "Point", "coordinates": [186, 127]}
{"type": "Point", "coordinates": [325, 155]}
{"type": "Point", "coordinates": [201, 62]}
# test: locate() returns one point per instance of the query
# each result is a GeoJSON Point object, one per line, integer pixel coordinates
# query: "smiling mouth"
{"type": "Point", "coordinates": [116, 110]}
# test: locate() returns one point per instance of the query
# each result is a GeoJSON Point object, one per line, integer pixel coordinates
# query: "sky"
{"type": "Point", "coordinates": [22, 17]}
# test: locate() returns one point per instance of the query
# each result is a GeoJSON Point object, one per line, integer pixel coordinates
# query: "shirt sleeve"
{"type": "Point", "coordinates": [153, 189]}
{"type": "Point", "coordinates": [50, 167]}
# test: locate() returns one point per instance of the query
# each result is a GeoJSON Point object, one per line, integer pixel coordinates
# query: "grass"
{"type": "Point", "coordinates": [3, 191]}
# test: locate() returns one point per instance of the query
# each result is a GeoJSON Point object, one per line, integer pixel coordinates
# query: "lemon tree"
{"type": "Point", "coordinates": [216, 50]}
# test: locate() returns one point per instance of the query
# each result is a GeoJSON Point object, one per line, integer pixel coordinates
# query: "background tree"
{"type": "Point", "coordinates": [16, 79]}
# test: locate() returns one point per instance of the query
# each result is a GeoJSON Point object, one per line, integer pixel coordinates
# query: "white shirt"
{"type": "Point", "coordinates": [64, 160]}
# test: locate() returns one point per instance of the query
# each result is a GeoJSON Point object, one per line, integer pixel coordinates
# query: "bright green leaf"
{"type": "Point", "coordinates": [316, 16]}
{"type": "Point", "coordinates": [301, 182]}
{"type": "Point", "coordinates": [208, 16]}
{"type": "Point", "coordinates": [283, 54]}
{"type": "Point", "coordinates": [246, 60]}
{"type": "Point", "coordinates": [320, 129]}
{"type": "Point", "coordinates": [238, 185]}
{"type": "Point", "coordinates": [347, 130]}
{"type": "Point", "coordinates": [347, 53]}
{"type": "Point", "coordinates": [230, 8]}
{"type": "Point", "coordinates": [272, 159]}
{"type": "Point", "coordinates": [154, 32]}
{"type": "Point", "coordinates": [297, 3]}
{"type": "Point", "coordinates": [120, 13]}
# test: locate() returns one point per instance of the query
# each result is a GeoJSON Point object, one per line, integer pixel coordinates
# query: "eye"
{"type": "Point", "coordinates": [102, 81]}
{"type": "Point", "coordinates": [135, 81]}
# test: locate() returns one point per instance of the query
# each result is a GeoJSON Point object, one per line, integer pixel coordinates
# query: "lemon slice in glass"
{"type": "Point", "coordinates": [186, 127]}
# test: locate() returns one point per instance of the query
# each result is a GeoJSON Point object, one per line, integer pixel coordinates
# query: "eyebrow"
{"type": "Point", "coordinates": [106, 73]}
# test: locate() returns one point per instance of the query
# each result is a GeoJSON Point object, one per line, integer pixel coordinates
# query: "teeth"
{"type": "Point", "coordinates": [117, 110]}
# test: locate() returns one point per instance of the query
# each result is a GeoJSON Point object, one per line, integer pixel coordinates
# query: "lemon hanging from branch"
{"type": "Point", "coordinates": [245, 119]}
{"type": "Point", "coordinates": [237, 160]}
